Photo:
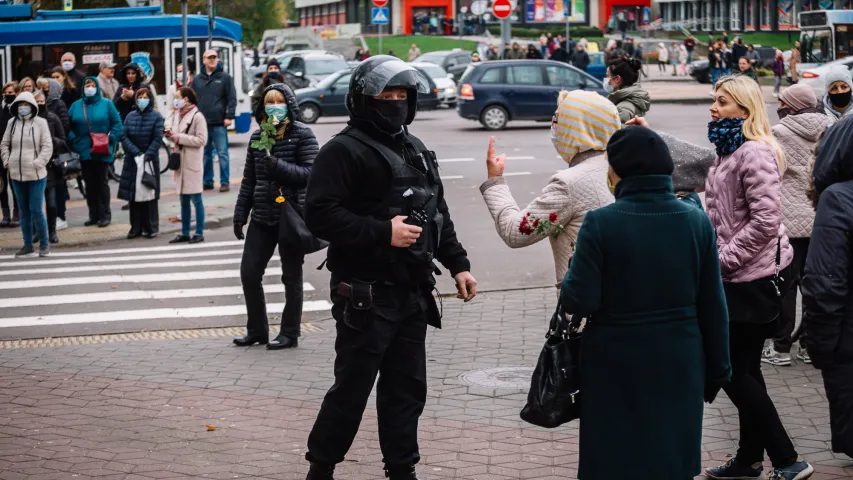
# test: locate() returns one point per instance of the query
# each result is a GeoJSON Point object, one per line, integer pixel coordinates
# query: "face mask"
{"type": "Point", "coordinates": [142, 103]}
{"type": "Point", "coordinates": [24, 111]}
{"type": "Point", "coordinates": [179, 104]}
{"type": "Point", "coordinates": [274, 75]}
{"type": "Point", "coordinates": [42, 111]}
{"type": "Point", "coordinates": [782, 112]}
{"type": "Point", "coordinates": [67, 66]}
{"type": "Point", "coordinates": [840, 100]}
{"type": "Point", "coordinates": [608, 87]}
{"type": "Point", "coordinates": [8, 99]}
{"type": "Point", "coordinates": [726, 134]}
{"type": "Point", "coordinates": [390, 115]}
{"type": "Point", "coordinates": [90, 91]}
{"type": "Point", "coordinates": [277, 110]}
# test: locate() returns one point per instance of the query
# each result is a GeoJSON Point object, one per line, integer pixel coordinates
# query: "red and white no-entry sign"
{"type": "Point", "coordinates": [502, 8]}
{"type": "Point", "coordinates": [380, 3]}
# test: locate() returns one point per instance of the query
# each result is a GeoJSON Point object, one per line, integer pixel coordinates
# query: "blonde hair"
{"type": "Point", "coordinates": [274, 96]}
{"type": "Point", "coordinates": [747, 94]}
{"type": "Point", "coordinates": [24, 82]}
{"type": "Point", "coordinates": [42, 83]}
{"type": "Point", "coordinates": [13, 85]}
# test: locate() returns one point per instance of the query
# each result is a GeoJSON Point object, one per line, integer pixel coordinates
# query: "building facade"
{"type": "Point", "coordinates": [740, 15]}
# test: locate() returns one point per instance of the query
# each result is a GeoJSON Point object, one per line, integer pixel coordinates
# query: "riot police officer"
{"type": "Point", "coordinates": [375, 195]}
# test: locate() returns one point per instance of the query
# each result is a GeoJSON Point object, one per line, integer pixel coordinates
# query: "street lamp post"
{"type": "Point", "coordinates": [184, 39]}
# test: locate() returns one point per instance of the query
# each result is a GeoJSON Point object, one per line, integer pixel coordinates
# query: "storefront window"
{"type": "Point", "coordinates": [735, 15]}
{"type": "Point", "coordinates": [786, 14]}
{"type": "Point", "coordinates": [552, 11]}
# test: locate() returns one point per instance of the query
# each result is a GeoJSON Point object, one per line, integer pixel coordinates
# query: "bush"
{"type": "Point", "coordinates": [763, 72]}
{"type": "Point", "coordinates": [524, 32]}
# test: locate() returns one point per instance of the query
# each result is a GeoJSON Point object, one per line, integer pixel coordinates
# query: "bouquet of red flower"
{"type": "Point", "coordinates": [530, 223]}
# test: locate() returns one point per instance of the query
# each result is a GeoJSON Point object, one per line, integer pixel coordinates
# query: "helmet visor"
{"type": "Point", "coordinates": [393, 74]}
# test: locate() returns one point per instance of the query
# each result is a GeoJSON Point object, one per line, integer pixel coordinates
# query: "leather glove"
{"type": "Point", "coordinates": [270, 161]}
{"type": "Point", "coordinates": [238, 230]}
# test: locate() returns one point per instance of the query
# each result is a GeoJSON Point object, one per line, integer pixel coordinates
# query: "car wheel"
{"type": "Point", "coordinates": [494, 117]}
{"type": "Point", "coordinates": [309, 113]}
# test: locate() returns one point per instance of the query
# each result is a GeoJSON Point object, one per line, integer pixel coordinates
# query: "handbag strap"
{"type": "Point", "coordinates": [189, 124]}
{"type": "Point", "coordinates": [86, 116]}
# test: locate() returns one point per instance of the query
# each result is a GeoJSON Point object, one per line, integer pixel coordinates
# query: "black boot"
{"type": "Point", "coordinates": [281, 342]}
{"type": "Point", "coordinates": [320, 471]}
{"type": "Point", "coordinates": [248, 341]}
{"type": "Point", "coordinates": [406, 472]}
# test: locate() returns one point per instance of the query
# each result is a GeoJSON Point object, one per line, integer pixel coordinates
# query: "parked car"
{"type": "Point", "coordinates": [597, 68]}
{"type": "Point", "coordinates": [328, 97]}
{"type": "Point", "coordinates": [452, 61]}
{"type": "Point", "coordinates": [500, 91]}
{"type": "Point", "coordinates": [816, 77]}
{"type": "Point", "coordinates": [321, 60]}
{"type": "Point", "coordinates": [443, 81]}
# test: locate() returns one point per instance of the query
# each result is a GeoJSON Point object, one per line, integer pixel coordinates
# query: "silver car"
{"type": "Point", "coordinates": [448, 93]}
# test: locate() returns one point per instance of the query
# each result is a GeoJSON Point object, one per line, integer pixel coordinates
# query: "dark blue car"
{"type": "Point", "coordinates": [496, 92]}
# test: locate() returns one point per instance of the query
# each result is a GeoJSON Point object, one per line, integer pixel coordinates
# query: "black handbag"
{"type": "Point", "coordinates": [757, 302]}
{"type": "Point", "coordinates": [68, 164]}
{"type": "Point", "coordinates": [148, 178]}
{"type": "Point", "coordinates": [175, 157]}
{"type": "Point", "coordinates": [294, 234]}
{"type": "Point", "coordinates": [554, 396]}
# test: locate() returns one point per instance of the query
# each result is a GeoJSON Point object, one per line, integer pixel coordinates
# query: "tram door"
{"type": "Point", "coordinates": [193, 59]}
{"type": "Point", "coordinates": [5, 70]}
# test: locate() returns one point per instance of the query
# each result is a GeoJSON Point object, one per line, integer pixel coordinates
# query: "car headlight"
{"type": "Point", "coordinates": [449, 90]}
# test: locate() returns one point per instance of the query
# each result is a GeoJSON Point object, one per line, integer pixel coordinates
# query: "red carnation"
{"type": "Point", "coordinates": [553, 217]}
{"type": "Point", "coordinates": [536, 223]}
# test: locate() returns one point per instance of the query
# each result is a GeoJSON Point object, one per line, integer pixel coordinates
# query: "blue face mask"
{"type": "Point", "coordinates": [277, 110]}
{"type": "Point", "coordinates": [726, 134]}
{"type": "Point", "coordinates": [142, 103]}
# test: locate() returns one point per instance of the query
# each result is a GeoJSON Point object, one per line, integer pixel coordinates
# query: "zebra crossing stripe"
{"type": "Point", "coordinates": [119, 278]}
{"type": "Point", "coordinates": [41, 262]}
{"type": "Point", "coordinates": [150, 314]}
{"type": "Point", "coordinates": [129, 266]}
{"type": "Point", "coordinates": [164, 248]}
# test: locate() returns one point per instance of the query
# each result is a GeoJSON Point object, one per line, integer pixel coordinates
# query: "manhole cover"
{"type": "Point", "coordinates": [516, 378]}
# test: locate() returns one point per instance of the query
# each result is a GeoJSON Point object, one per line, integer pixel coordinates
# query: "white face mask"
{"type": "Point", "coordinates": [24, 111]}
{"type": "Point", "coordinates": [90, 91]}
{"type": "Point", "coordinates": [67, 66]}
{"type": "Point", "coordinates": [179, 103]}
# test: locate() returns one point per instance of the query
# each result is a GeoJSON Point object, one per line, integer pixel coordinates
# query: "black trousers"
{"type": "Point", "coordinates": [760, 426]}
{"type": "Point", "coordinates": [784, 338]}
{"type": "Point", "coordinates": [4, 196]}
{"type": "Point", "coordinates": [140, 218]}
{"type": "Point", "coordinates": [154, 216]}
{"type": "Point", "coordinates": [50, 207]}
{"type": "Point", "coordinates": [391, 344]}
{"type": "Point", "coordinates": [97, 189]}
{"type": "Point", "coordinates": [261, 241]}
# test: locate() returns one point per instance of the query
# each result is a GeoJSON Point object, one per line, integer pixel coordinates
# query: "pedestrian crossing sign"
{"type": "Point", "coordinates": [68, 5]}
{"type": "Point", "coordinates": [380, 16]}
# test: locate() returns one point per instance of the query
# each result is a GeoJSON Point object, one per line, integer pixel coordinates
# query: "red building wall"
{"type": "Point", "coordinates": [407, 7]}
{"type": "Point", "coordinates": [605, 9]}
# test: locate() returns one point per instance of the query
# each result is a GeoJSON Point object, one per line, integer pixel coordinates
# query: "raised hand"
{"type": "Point", "coordinates": [494, 164]}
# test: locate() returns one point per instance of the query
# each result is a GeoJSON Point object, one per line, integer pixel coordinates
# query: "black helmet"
{"type": "Point", "coordinates": [372, 76]}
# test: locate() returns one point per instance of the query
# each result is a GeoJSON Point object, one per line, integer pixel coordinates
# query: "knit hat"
{"type": "Point", "coordinates": [585, 121]}
{"type": "Point", "coordinates": [798, 97]}
{"type": "Point", "coordinates": [838, 73]}
{"type": "Point", "coordinates": [636, 151]}
{"type": "Point", "coordinates": [273, 61]}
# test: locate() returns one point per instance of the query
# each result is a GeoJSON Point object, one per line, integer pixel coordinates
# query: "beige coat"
{"type": "Point", "coordinates": [793, 63]}
{"type": "Point", "coordinates": [570, 193]}
{"type": "Point", "coordinates": [190, 177]}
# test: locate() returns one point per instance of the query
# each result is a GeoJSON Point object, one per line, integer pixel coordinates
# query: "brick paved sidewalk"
{"type": "Point", "coordinates": [140, 410]}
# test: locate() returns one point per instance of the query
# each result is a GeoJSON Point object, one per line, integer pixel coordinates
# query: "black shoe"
{"type": "Point", "coordinates": [132, 235]}
{"type": "Point", "coordinates": [125, 207]}
{"type": "Point", "coordinates": [90, 222]}
{"type": "Point", "coordinates": [104, 223]}
{"type": "Point", "coordinates": [180, 239]}
{"type": "Point", "coordinates": [150, 235]}
{"type": "Point", "coordinates": [5, 222]}
{"type": "Point", "coordinates": [197, 239]}
{"type": "Point", "coordinates": [208, 187]}
{"type": "Point", "coordinates": [25, 252]}
{"type": "Point", "coordinates": [320, 471]}
{"type": "Point", "coordinates": [281, 342]}
{"type": "Point", "coordinates": [224, 188]}
{"type": "Point", "coordinates": [406, 472]}
{"type": "Point", "coordinates": [248, 341]}
{"type": "Point", "coordinates": [53, 238]}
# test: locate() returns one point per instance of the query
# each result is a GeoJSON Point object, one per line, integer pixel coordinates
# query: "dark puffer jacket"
{"type": "Point", "coordinates": [143, 134]}
{"type": "Point", "coordinates": [123, 106]}
{"type": "Point", "coordinates": [294, 156]}
{"type": "Point", "coordinates": [56, 106]}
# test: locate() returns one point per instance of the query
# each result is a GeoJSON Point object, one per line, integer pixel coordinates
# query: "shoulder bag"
{"type": "Point", "coordinates": [100, 141]}
{"type": "Point", "coordinates": [68, 164]}
{"type": "Point", "coordinates": [175, 157]}
{"type": "Point", "coordinates": [293, 234]}
{"type": "Point", "coordinates": [554, 396]}
{"type": "Point", "coordinates": [758, 302]}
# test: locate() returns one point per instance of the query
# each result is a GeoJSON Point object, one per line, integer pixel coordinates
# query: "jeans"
{"type": "Point", "coordinates": [4, 198]}
{"type": "Point", "coordinates": [217, 138]}
{"type": "Point", "coordinates": [777, 84]}
{"type": "Point", "coordinates": [690, 56]}
{"type": "Point", "coordinates": [261, 241]}
{"type": "Point", "coordinates": [32, 196]}
{"type": "Point", "coordinates": [544, 50]}
{"type": "Point", "coordinates": [716, 73]}
{"type": "Point", "coordinates": [784, 338]}
{"type": "Point", "coordinates": [186, 214]}
{"type": "Point", "coordinates": [760, 426]}
{"type": "Point", "coordinates": [97, 190]}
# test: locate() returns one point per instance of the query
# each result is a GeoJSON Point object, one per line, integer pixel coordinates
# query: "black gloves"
{"type": "Point", "coordinates": [238, 230]}
{"type": "Point", "coordinates": [270, 161]}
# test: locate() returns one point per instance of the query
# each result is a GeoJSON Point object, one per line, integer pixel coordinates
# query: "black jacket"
{"type": "Point", "coordinates": [294, 156]}
{"type": "Point", "coordinates": [123, 106]}
{"type": "Point", "coordinates": [5, 116]}
{"type": "Point", "coordinates": [580, 59]}
{"type": "Point", "coordinates": [142, 134]}
{"type": "Point", "coordinates": [737, 52]}
{"type": "Point", "coordinates": [345, 196]}
{"type": "Point", "coordinates": [58, 108]}
{"type": "Point", "coordinates": [217, 98]}
{"type": "Point", "coordinates": [70, 96]}
{"type": "Point", "coordinates": [560, 55]}
{"type": "Point", "coordinates": [57, 135]}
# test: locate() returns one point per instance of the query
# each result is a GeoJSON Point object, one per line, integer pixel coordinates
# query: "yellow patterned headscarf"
{"type": "Point", "coordinates": [583, 121]}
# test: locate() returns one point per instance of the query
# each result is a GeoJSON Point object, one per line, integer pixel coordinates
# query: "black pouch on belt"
{"type": "Point", "coordinates": [360, 296]}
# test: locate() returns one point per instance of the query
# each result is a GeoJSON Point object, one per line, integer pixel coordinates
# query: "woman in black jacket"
{"type": "Point", "coordinates": [827, 284]}
{"type": "Point", "coordinates": [11, 217]}
{"type": "Point", "coordinates": [70, 92]}
{"type": "Point", "coordinates": [54, 175]}
{"type": "Point", "coordinates": [142, 136]}
{"type": "Point", "coordinates": [270, 179]}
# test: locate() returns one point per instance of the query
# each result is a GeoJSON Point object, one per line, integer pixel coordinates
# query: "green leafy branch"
{"type": "Point", "coordinates": [268, 133]}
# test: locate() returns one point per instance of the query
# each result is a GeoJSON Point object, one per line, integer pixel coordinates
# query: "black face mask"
{"type": "Point", "coordinates": [840, 100]}
{"type": "Point", "coordinates": [274, 75]}
{"type": "Point", "coordinates": [8, 99]}
{"type": "Point", "coordinates": [42, 111]}
{"type": "Point", "coordinates": [390, 115]}
{"type": "Point", "coordinates": [782, 112]}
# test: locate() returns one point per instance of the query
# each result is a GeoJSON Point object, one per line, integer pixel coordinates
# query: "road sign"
{"type": "Point", "coordinates": [502, 8]}
{"type": "Point", "coordinates": [479, 7]}
{"type": "Point", "coordinates": [68, 5]}
{"type": "Point", "coordinates": [380, 16]}
{"type": "Point", "coordinates": [380, 3]}
{"type": "Point", "coordinates": [647, 13]}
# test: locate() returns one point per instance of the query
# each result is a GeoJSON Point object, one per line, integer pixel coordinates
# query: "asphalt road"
{"type": "Point", "coordinates": [130, 286]}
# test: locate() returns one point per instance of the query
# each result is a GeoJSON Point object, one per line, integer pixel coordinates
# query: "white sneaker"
{"type": "Point", "coordinates": [61, 224]}
{"type": "Point", "coordinates": [776, 95]}
{"type": "Point", "coordinates": [804, 357]}
{"type": "Point", "coordinates": [771, 356]}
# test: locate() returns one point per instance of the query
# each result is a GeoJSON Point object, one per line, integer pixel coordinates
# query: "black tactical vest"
{"type": "Point", "coordinates": [414, 193]}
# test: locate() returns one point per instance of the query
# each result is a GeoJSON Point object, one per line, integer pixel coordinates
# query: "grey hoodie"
{"type": "Point", "coordinates": [27, 145]}
{"type": "Point", "coordinates": [631, 101]}
{"type": "Point", "coordinates": [692, 163]}
{"type": "Point", "coordinates": [56, 106]}
{"type": "Point", "coordinates": [833, 115]}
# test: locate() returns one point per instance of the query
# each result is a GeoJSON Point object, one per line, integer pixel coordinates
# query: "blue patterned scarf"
{"type": "Point", "coordinates": [726, 134]}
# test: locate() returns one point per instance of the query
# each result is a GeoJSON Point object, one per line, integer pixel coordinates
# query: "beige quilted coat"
{"type": "Point", "coordinates": [570, 193]}
{"type": "Point", "coordinates": [798, 135]}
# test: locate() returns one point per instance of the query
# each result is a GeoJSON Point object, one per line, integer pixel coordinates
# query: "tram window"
{"type": "Point", "coordinates": [843, 41]}
{"type": "Point", "coordinates": [224, 58]}
{"type": "Point", "coordinates": [152, 53]}
{"type": "Point", "coordinates": [816, 46]}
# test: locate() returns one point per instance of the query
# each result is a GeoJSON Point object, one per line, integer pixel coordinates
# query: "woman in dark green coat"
{"type": "Point", "coordinates": [646, 272]}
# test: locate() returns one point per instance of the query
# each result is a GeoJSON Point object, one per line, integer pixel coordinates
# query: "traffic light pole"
{"type": "Point", "coordinates": [506, 34]}
{"type": "Point", "coordinates": [211, 15]}
{"type": "Point", "coordinates": [184, 39]}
